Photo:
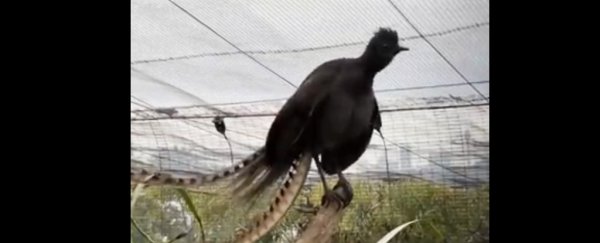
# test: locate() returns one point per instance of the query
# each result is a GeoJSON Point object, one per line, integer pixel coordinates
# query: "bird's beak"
{"type": "Point", "coordinates": [400, 49]}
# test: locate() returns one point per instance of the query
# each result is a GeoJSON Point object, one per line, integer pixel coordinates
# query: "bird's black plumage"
{"type": "Point", "coordinates": [332, 113]}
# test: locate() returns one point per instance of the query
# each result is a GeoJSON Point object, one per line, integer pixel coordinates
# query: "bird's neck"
{"type": "Point", "coordinates": [372, 63]}
{"type": "Point", "coordinates": [363, 81]}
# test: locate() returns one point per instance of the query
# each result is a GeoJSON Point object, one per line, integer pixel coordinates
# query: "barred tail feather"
{"type": "Point", "coordinates": [174, 179]}
{"type": "Point", "coordinates": [254, 180]}
{"type": "Point", "coordinates": [286, 196]}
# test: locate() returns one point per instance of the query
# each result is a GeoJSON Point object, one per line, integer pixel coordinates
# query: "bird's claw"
{"type": "Point", "coordinates": [329, 197]}
{"type": "Point", "coordinates": [341, 193]}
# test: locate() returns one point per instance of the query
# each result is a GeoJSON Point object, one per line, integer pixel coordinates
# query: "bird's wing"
{"type": "Point", "coordinates": [376, 119]}
{"type": "Point", "coordinates": [288, 135]}
{"type": "Point", "coordinates": [344, 155]}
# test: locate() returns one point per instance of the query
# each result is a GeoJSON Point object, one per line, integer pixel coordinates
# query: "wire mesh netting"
{"type": "Point", "coordinates": [437, 154]}
{"type": "Point", "coordinates": [195, 60]}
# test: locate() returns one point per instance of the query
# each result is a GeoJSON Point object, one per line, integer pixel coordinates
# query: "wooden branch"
{"type": "Point", "coordinates": [322, 226]}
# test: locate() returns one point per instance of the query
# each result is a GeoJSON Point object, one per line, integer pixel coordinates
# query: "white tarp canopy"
{"type": "Point", "coordinates": [247, 57]}
{"type": "Point", "coordinates": [190, 52]}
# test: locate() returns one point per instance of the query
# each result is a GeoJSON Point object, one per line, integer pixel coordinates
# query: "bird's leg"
{"type": "Point", "coordinates": [321, 173]}
{"type": "Point", "coordinates": [343, 190]}
{"type": "Point", "coordinates": [341, 178]}
{"type": "Point", "coordinates": [329, 194]}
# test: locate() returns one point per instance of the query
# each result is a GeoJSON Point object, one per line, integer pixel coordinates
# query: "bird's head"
{"type": "Point", "coordinates": [384, 44]}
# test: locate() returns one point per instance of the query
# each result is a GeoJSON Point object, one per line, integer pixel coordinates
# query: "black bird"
{"type": "Point", "coordinates": [332, 114]}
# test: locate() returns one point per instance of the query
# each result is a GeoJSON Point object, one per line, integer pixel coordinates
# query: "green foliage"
{"type": "Point", "coordinates": [445, 214]}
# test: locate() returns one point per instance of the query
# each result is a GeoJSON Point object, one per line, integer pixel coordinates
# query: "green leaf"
{"type": "Point", "coordinates": [137, 227]}
{"type": "Point", "coordinates": [137, 191]}
{"type": "Point", "coordinates": [188, 200]}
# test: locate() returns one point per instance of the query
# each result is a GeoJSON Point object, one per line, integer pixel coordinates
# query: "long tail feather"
{"type": "Point", "coordinates": [286, 196]}
{"type": "Point", "coordinates": [254, 180]}
{"type": "Point", "coordinates": [170, 178]}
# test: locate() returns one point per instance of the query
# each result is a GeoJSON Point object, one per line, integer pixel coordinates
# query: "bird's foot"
{"type": "Point", "coordinates": [330, 197]}
{"type": "Point", "coordinates": [343, 190]}
{"type": "Point", "coordinates": [341, 195]}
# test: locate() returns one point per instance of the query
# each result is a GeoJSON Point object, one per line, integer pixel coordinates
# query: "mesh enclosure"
{"type": "Point", "coordinates": [241, 60]}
